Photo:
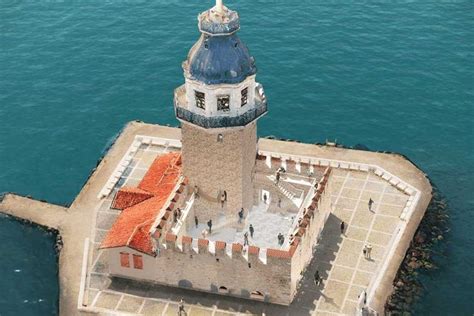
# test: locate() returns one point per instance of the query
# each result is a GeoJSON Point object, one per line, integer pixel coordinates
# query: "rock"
{"type": "Point", "coordinates": [413, 264]}
{"type": "Point", "coordinates": [420, 238]}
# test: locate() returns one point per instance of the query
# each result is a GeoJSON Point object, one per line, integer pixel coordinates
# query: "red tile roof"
{"type": "Point", "coordinates": [129, 196]}
{"type": "Point", "coordinates": [163, 174]}
{"type": "Point", "coordinates": [132, 227]}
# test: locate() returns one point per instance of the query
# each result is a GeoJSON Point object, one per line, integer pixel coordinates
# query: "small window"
{"type": "Point", "coordinates": [137, 262]}
{"type": "Point", "coordinates": [223, 289]}
{"type": "Point", "coordinates": [200, 99]}
{"type": "Point", "coordinates": [257, 295]}
{"type": "Point", "coordinates": [125, 260]}
{"type": "Point", "coordinates": [244, 96]}
{"type": "Point", "coordinates": [223, 103]}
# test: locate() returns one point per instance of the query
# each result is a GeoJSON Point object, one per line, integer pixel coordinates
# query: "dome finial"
{"type": "Point", "coordinates": [219, 6]}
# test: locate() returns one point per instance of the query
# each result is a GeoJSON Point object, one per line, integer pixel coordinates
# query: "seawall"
{"type": "Point", "coordinates": [75, 223]}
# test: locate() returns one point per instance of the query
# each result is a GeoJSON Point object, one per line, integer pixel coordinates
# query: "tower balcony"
{"type": "Point", "coordinates": [219, 121]}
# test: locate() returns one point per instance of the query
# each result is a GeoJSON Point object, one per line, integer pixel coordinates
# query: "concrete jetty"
{"type": "Point", "coordinates": [76, 223]}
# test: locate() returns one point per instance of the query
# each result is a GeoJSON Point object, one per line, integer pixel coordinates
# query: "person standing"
{"type": "Point", "coordinates": [251, 230]}
{"type": "Point", "coordinates": [209, 224]}
{"type": "Point", "coordinates": [265, 198]}
{"type": "Point", "coordinates": [196, 191]}
{"type": "Point", "coordinates": [369, 251]}
{"type": "Point", "coordinates": [343, 226]}
{"type": "Point", "coordinates": [246, 239]}
{"type": "Point", "coordinates": [371, 202]}
{"type": "Point", "coordinates": [364, 251]}
{"type": "Point", "coordinates": [196, 221]}
{"type": "Point", "coordinates": [178, 212]}
{"type": "Point", "coordinates": [181, 310]}
{"type": "Point", "coordinates": [241, 215]}
{"type": "Point", "coordinates": [317, 278]}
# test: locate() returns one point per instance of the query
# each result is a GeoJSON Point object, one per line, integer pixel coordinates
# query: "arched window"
{"type": "Point", "coordinates": [257, 295]}
{"type": "Point", "coordinates": [223, 289]}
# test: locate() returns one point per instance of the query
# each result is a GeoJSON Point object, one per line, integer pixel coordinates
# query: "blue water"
{"type": "Point", "coordinates": [392, 75]}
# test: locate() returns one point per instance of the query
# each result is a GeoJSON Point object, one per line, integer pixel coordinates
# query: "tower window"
{"type": "Point", "coordinates": [223, 103]}
{"type": "Point", "coordinates": [244, 96]}
{"type": "Point", "coordinates": [200, 99]}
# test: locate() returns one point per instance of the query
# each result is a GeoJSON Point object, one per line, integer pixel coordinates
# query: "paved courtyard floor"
{"type": "Point", "coordinates": [338, 257]}
{"type": "Point", "coordinates": [267, 225]}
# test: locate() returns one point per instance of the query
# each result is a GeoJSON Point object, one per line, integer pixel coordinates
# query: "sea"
{"type": "Point", "coordinates": [392, 76]}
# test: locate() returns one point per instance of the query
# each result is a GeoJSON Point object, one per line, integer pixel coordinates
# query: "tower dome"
{"type": "Point", "coordinates": [219, 56]}
{"type": "Point", "coordinates": [220, 59]}
{"type": "Point", "coordinates": [220, 90]}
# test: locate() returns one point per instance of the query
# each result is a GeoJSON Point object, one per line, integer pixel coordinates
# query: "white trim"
{"type": "Point", "coordinates": [85, 255]}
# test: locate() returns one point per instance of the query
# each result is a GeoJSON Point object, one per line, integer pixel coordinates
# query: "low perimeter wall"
{"type": "Point", "coordinates": [269, 275]}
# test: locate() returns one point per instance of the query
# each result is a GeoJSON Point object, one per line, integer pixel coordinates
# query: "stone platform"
{"type": "Point", "coordinates": [339, 257]}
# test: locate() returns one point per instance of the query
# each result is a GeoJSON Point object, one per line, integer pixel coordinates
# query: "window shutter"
{"type": "Point", "coordinates": [125, 259]}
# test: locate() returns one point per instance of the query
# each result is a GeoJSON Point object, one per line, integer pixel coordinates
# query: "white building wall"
{"type": "Point", "coordinates": [201, 271]}
{"type": "Point", "coordinates": [213, 91]}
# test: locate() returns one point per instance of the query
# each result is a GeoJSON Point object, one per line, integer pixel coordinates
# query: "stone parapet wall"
{"type": "Point", "coordinates": [310, 225]}
{"type": "Point", "coordinates": [215, 267]}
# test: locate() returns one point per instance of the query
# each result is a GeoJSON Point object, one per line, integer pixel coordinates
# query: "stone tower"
{"type": "Point", "coordinates": [218, 107]}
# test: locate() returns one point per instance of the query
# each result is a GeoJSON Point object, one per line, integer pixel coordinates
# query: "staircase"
{"type": "Point", "coordinates": [292, 193]}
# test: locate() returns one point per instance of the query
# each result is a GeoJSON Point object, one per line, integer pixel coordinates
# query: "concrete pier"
{"type": "Point", "coordinates": [76, 224]}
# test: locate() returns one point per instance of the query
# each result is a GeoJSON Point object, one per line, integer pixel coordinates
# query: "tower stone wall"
{"type": "Point", "coordinates": [218, 160]}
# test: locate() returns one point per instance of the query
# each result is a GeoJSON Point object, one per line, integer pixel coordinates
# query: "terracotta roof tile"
{"type": "Point", "coordinates": [170, 237]}
{"type": "Point", "coordinates": [276, 253]}
{"type": "Point", "coordinates": [253, 250]}
{"type": "Point", "coordinates": [129, 196]}
{"type": "Point", "coordinates": [292, 250]}
{"type": "Point", "coordinates": [203, 242]}
{"type": "Point", "coordinates": [162, 174]}
{"type": "Point", "coordinates": [236, 247]}
{"type": "Point", "coordinates": [220, 245]}
{"type": "Point", "coordinates": [186, 240]}
{"type": "Point", "coordinates": [132, 227]}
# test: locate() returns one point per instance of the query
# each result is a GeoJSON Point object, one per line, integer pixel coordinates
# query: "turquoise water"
{"type": "Point", "coordinates": [393, 76]}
